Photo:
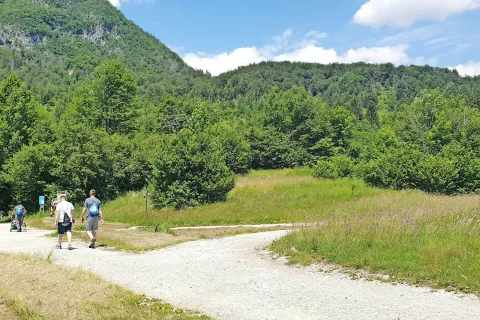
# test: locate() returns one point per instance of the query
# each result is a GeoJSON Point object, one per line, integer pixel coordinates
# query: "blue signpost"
{"type": "Point", "coordinates": [41, 201]}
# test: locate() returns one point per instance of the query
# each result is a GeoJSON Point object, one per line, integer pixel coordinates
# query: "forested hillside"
{"type": "Point", "coordinates": [344, 84]}
{"type": "Point", "coordinates": [89, 100]}
{"type": "Point", "coordinates": [54, 44]}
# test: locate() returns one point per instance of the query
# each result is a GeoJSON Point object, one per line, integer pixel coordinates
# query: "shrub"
{"type": "Point", "coordinates": [190, 170]}
{"type": "Point", "coordinates": [325, 169]}
{"type": "Point", "coordinates": [454, 170]}
{"type": "Point", "coordinates": [397, 168]}
{"type": "Point", "coordinates": [343, 165]}
{"type": "Point", "coordinates": [436, 174]}
{"type": "Point", "coordinates": [335, 167]}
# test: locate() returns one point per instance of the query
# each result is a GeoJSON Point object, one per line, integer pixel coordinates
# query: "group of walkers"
{"type": "Point", "coordinates": [65, 218]}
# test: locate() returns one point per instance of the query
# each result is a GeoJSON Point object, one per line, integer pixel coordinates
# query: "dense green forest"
{"type": "Point", "coordinates": [89, 100]}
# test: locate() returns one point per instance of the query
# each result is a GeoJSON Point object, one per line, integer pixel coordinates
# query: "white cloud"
{"type": "Point", "coordinates": [225, 61]}
{"type": "Point", "coordinates": [116, 3]}
{"type": "Point", "coordinates": [417, 34]}
{"type": "Point", "coordinates": [283, 49]}
{"type": "Point", "coordinates": [315, 34]}
{"type": "Point", "coordinates": [421, 61]}
{"type": "Point", "coordinates": [403, 13]}
{"type": "Point", "coordinates": [470, 69]}
{"type": "Point", "coordinates": [460, 48]}
{"type": "Point", "coordinates": [281, 42]}
{"type": "Point", "coordinates": [436, 41]}
{"type": "Point", "coordinates": [396, 55]}
{"type": "Point", "coordinates": [311, 54]}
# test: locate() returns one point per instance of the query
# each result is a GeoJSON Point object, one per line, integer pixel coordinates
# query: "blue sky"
{"type": "Point", "coordinates": [219, 35]}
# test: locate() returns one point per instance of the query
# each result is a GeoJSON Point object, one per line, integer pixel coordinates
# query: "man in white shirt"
{"type": "Point", "coordinates": [64, 218]}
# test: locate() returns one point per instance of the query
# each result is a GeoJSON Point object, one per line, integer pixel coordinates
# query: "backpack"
{"type": "Point", "coordinates": [66, 219]}
{"type": "Point", "coordinates": [19, 211]}
{"type": "Point", "coordinates": [93, 210]}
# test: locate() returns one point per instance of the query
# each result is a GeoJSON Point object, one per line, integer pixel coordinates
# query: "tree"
{"type": "Point", "coordinates": [78, 162]}
{"type": "Point", "coordinates": [235, 146]}
{"type": "Point", "coordinates": [474, 97]}
{"type": "Point", "coordinates": [370, 102]}
{"type": "Point", "coordinates": [114, 88]}
{"type": "Point", "coordinates": [190, 170]}
{"type": "Point", "coordinates": [299, 115]}
{"type": "Point", "coordinates": [397, 168]}
{"type": "Point", "coordinates": [18, 115]}
{"type": "Point", "coordinates": [342, 122]}
{"type": "Point", "coordinates": [274, 150]}
{"type": "Point", "coordinates": [29, 171]}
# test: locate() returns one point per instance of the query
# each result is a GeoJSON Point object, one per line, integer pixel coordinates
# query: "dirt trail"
{"type": "Point", "coordinates": [231, 278]}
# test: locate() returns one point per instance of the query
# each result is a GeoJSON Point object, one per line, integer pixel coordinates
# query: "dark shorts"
{"type": "Point", "coordinates": [62, 229]}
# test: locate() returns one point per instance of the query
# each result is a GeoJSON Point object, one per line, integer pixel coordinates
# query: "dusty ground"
{"type": "Point", "coordinates": [5, 312]}
{"type": "Point", "coordinates": [232, 278]}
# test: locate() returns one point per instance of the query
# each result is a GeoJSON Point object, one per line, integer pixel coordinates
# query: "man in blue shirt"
{"type": "Point", "coordinates": [92, 207]}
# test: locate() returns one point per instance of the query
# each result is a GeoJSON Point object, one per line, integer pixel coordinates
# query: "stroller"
{"type": "Point", "coordinates": [13, 225]}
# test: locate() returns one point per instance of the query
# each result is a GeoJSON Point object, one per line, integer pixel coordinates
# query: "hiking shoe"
{"type": "Point", "coordinates": [70, 247]}
{"type": "Point", "coordinates": [92, 243]}
{"type": "Point", "coordinates": [59, 246]}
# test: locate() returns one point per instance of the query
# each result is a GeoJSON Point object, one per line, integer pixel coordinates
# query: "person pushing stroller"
{"type": "Point", "coordinates": [18, 214]}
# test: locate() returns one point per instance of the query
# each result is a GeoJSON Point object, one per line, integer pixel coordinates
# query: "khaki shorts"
{"type": "Point", "coordinates": [92, 224]}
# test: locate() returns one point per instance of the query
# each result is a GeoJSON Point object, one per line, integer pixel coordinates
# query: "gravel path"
{"type": "Point", "coordinates": [231, 278]}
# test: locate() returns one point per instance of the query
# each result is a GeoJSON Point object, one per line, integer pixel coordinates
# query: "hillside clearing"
{"type": "Point", "coordinates": [286, 196]}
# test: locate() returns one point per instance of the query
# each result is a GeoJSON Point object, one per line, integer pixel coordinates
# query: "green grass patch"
{"type": "Point", "coordinates": [6, 219]}
{"type": "Point", "coordinates": [276, 196]}
{"type": "Point", "coordinates": [439, 249]}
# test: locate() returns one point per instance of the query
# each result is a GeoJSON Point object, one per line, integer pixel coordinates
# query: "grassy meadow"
{"type": "Point", "coordinates": [34, 288]}
{"type": "Point", "coordinates": [262, 197]}
{"type": "Point", "coordinates": [438, 247]}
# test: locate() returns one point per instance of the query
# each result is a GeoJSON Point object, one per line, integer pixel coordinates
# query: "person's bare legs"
{"type": "Point", "coordinates": [69, 237]}
{"type": "Point", "coordinates": [60, 239]}
{"type": "Point", "coordinates": [93, 238]}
